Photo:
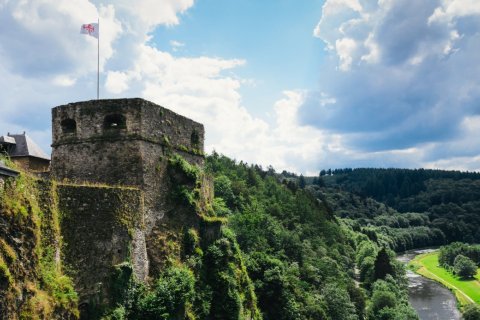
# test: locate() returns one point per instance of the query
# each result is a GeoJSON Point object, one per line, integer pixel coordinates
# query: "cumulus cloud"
{"type": "Point", "coordinates": [406, 77]}
{"type": "Point", "coordinates": [403, 90]}
{"type": "Point", "coordinates": [203, 88]}
{"type": "Point", "coordinates": [47, 62]}
{"type": "Point", "coordinates": [40, 37]}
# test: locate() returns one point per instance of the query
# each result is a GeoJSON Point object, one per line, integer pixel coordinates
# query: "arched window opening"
{"type": "Point", "coordinates": [69, 126]}
{"type": "Point", "coordinates": [114, 121]}
{"type": "Point", "coordinates": [195, 138]}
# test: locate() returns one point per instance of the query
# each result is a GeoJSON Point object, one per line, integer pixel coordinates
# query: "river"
{"type": "Point", "coordinates": [430, 299]}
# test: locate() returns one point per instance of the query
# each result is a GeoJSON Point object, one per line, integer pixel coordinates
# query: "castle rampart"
{"type": "Point", "coordinates": [120, 149]}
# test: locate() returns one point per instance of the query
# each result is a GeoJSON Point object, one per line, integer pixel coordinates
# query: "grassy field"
{"type": "Point", "coordinates": [466, 291]}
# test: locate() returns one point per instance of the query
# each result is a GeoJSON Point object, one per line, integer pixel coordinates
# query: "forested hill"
{"type": "Point", "coordinates": [300, 258]}
{"type": "Point", "coordinates": [450, 200]}
{"type": "Point", "coordinates": [391, 186]}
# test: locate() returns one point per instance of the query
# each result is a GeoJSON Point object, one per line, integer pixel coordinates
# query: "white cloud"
{"type": "Point", "coordinates": [345, 48]}
{"type": "Point", "coordinates": [405, 82]}
{"type": "Point", "coordinates": [64, 81]}
{"type": "Point", "coordinates": [117, 82]}
{"type": "Point", "coordinates": [177, 44]}
{"type": "Point", "coordinates": [153, 12]}
{"type": "Point", "coordinates": [373, 50]}
{"type": "Point", "coordinates": [379, 82]}
{"type": "Point", "coordinates": [451, 9]}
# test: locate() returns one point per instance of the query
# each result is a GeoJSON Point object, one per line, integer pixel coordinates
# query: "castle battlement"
{"type": "Point", "coordinates": [125, 119]}
{"type": "Point", "coordinates": [114, 141]}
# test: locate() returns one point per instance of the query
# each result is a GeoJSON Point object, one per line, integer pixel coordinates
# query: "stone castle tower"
{"type": "Point", "coordinates": [111, 160]}
{"type": "Point", "coordinates": [119, 141]}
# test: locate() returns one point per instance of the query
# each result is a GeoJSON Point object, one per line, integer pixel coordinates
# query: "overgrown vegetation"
{"type": "Point", "coordinates": [31, 279]}
{"type": "Point", "coordinates": [300, 257]}
{"type": "Point", "coordinates": [263, 248]}
{"type": "Point", "coordinates": [214, 285]}
{"type": "Point", "coordinates": [208, 280]}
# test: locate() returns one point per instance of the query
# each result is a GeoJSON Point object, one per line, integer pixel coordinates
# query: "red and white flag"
{"type": "Point", "coordinates": [90, 28]}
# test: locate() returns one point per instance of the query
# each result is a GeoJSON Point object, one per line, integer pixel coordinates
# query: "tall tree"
{"type": "Point", "coordinates": [382, 265]}
{"type": "Point", "coordinates": [301, 182]}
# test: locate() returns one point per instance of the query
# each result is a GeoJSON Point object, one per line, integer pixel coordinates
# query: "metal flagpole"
{"type": "Point", "coordinates": [98, 60]}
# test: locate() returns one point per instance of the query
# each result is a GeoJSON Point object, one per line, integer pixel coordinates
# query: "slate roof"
{"type": "Point", "coordinates": [7, 140]}
{"type": "Point", "coordinates": [26, 147]}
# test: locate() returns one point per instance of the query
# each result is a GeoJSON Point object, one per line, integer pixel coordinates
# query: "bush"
{"type": "Point", "coordinates": [171, 293]}
{"type": "Point", "coordinates": [471, 312]}
{"type": "Point", "coordinates": [464, 267]}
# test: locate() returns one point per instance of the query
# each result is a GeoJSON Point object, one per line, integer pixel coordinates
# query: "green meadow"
{"type": "Point", "coordinates": [466, 291]}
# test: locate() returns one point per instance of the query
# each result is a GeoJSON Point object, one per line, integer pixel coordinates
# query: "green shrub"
{"type": "Point", "coordinates": [170, 296]}
{"type": "Point", "coordinates": [471, 312]}
{"type": "Point", "coordinates": [464, 267]}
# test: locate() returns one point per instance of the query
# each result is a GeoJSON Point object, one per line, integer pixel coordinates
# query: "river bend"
{"type": "Point", "coordinates": [431, 300]}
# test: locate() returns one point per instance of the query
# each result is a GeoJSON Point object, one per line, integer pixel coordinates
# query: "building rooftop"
{"type": "Point", "coordinates": [23, 146]}
{"type": "Point", "coordinates": [7, 140]}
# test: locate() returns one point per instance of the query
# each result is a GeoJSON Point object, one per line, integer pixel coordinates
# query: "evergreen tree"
{"type": "Point", "coordinates": [320, 181]}
{"type": "Point", "coordinates": [382, 265]}
{"type": "Point", "coordinates": [301, 182]}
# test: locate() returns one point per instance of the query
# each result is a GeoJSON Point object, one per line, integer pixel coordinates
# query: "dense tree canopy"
{"type": "Point", "coordinates": [300, 257]}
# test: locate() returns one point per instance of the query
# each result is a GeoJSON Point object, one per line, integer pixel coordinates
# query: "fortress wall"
{"type": "Point", "coordinates": [167, 127]}
{"type": "Point", "coordinates": [101, 227]}
{"type": "Point", "coordinates": [135, 119]}
{"type": "Point", "coordinates": [133, 152]}
{"type": "Point", "coordinates": [103, 161]}
{"type": "Point", "coordinates": [89, 117]}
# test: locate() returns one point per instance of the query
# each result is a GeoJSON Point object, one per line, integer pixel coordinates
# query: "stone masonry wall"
{"type": "Point", "coordinates": [118, 163]}
{"type": "Point", "coordinates": [114, 141]}
{"type": "Point", "coordinates": [127, 142]}
{"type": "Point", "coordinates": [99, 123]}
{"type": "Point", "coordinates": [32, 164]}
{"type": "Point", "coordinates": [101, 227]}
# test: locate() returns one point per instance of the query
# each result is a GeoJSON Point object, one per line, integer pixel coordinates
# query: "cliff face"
{"type": "Point", "coordinates": [32, 282]}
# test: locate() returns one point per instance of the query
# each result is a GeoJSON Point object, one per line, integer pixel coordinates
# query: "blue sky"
{"type": "Point", "coordinates": [300, 85]}
{"type": "Point", "coordinates": [276, 41]}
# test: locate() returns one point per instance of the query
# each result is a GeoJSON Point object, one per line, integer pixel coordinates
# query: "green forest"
{"type": "Point", "coordinates": [300, 256]}
{"type": "Point", "coordinates": [437, 206]}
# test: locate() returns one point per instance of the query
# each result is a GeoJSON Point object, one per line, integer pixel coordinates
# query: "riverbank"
{"type": "Point", "coordinates": [430, 299]}
{"type": "Point", "coordinates": [466, 291]}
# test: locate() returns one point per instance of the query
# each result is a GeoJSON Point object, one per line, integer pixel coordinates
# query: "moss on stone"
{"type": "Point", "coordinates": [6, 279]}
{"type": "Point", "coordinates": [29, 260]}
